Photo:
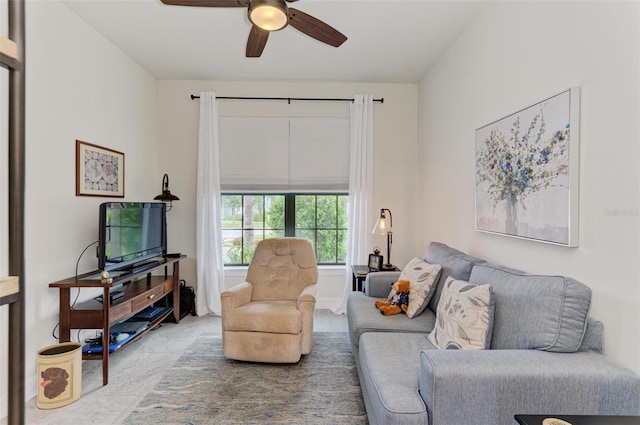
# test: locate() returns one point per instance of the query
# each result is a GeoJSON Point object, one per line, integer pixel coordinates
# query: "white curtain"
{"type": "Point", "coordinates": [210, 269]}
{"type": "Point", "coordinates": [360, 210]}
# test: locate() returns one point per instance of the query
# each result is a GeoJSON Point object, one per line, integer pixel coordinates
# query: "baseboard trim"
{"type": "Point", "coordinates": [327, 303]}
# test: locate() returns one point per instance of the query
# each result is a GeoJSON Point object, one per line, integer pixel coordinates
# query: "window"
{"type": "Point", "coordinates": [320, 218]}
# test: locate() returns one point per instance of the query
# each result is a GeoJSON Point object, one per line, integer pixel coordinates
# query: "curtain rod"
{"type": "Point", "coordinates": [288, 99]}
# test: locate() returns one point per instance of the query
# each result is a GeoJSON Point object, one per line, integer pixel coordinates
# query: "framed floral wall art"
{"type": "Point", "coordinates": [99, 171]}
{"type": "Point", "coordinates": [527, 172]}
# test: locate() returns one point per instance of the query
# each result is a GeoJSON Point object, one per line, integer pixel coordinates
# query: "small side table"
{"type": "Point", "coordinates": [579, 419]}
{"type": "Point", "coordinates": [359, 274]}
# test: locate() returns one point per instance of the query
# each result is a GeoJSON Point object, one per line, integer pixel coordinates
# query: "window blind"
{"type": "Point", "coordinates": [284, 154]}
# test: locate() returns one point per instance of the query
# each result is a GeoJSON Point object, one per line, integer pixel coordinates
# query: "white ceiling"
{"type": "Point", "coordinates": [390, 41]}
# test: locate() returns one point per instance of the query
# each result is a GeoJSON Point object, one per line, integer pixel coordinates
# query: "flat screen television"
{"type": "Point", "coordinates": [131, 233]}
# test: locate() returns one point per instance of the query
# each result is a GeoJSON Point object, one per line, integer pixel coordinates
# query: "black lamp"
{"type": "Point", "coordinates": [383, 227]}
{"type": "Point", "coordinates": [166, 196]}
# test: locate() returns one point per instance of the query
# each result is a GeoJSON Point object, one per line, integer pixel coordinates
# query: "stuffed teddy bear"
{"type": "Point", "coordinates": [398, 301]}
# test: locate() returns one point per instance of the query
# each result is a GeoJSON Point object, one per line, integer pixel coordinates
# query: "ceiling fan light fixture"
{"type": "Point", "coordinates": [269, 15]}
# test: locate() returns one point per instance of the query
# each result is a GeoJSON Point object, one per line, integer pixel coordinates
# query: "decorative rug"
{"type": "Point", "coordinates": [203, 387]}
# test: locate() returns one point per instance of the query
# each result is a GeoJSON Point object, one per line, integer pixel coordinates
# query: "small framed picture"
{"type": "Point", "coordinates": [375, 262]}
{"type": "Point", "coordinates": [99, 171]}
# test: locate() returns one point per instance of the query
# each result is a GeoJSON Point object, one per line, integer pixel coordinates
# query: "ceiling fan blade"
{"type": "Point", "coordinates": [256, 42]}
{"type": "Point", "coordinates": [315, 28]}
{"type": "Point", "coordinates": [207, 3]}
{"type": "Point", "coordinates": [291, 1]}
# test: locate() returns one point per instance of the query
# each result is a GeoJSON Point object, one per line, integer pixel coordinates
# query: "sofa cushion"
{"type": "Point", "coordinates": [363, 317]}
{"type": "Point", "coordinates": [487, 386]}
{"type": "Point", "coordinates": [593, 336]}
{"type": "Point", "coordinates": [422, 276]}
{"type": "Point", "coordinates": [389, 369]}
{"type": "Point", "coordinates": [464, 318]}
{"type": "Point", "coordinates": [535, 312]}
{"type": "Point", "coordinates": [454, 263]}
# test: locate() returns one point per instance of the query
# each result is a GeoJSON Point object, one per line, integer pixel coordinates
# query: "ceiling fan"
{"type": "Point", "coordinates": [272, 15]}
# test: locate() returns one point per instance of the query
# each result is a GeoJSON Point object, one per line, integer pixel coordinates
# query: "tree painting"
{"type": "Point", "coordinates": [522, 163]}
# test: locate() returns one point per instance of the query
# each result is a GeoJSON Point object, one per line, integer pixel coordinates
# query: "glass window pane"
{"type": "Point", "coordinates": [327, 212]}
{"type": "Point", "coordinates": [258, 212]}
{"type": "Point", "coordinates": [232, 246]}
{"type": "Point", "coordinates": [342, 246]}
{"type": "Point", "coordinates": [274, 234]}
{"type": "Point", "coordinates": [231, 211]}
{"type": "Point", "coordinates": [308, 235]}
{"type": "Point", "coordinates": [343, 202]}
{"type": "Point", "coordinates": [326, 248]}
{"type": "Point", "coordinates": [252, 211]}
{"type": "Point", "coordinates": [305, 212]}
{"type": "Point", "coordinates": [274, 210]}
{"type": "Point", "coordinates": [249, 245]}
{"type": "Point", "coordinates": [247, 211]}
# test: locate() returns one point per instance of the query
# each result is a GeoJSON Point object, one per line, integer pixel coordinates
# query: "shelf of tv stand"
{"type": "Point", "coordinates": [142, 289]}
{"type": "Point", "coordinates": [152, 324]}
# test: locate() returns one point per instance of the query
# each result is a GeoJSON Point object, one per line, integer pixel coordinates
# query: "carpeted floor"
{"type": "Point", "coordinates": [203, 387]}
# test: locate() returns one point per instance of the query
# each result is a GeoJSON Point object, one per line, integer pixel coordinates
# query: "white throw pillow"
{"type": "Point", "coordinates": [422, 276]}
{"type": "Point", "coordinates": [464, 320]}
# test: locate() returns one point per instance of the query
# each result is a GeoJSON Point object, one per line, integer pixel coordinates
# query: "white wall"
{"type": "Point", "coordinates": [79, 86]}
{"type": "Point", "coordinates": [395, 136]}
{"type": "Point", "coordinates": [515, 54]}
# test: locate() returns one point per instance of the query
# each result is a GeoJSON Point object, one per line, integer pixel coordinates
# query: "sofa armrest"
{"type": "Point", "coordinates": [236, 296]}
{"type": "Point", "coordinates": [378, 284]}
{"type": "Point", "coordinates": [492, 386]}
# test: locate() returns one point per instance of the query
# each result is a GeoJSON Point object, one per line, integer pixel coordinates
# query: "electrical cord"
{"type": "Point", "coordinates": [53, 332]}
{"type": "Point", "coordinates": [77, 264]}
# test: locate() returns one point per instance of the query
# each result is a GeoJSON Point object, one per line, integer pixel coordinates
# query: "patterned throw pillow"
{"type": "Point", "coordinates": [464, 320]}
{"type": "Point", "coordinates": [422, 276]}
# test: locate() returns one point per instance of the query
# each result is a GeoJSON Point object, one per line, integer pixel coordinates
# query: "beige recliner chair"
{"type": "Point", "coordinates": [269, 317]}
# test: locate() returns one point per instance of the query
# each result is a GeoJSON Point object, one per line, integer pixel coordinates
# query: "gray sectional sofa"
{"type": "Point", "coordinates": [545, 355]}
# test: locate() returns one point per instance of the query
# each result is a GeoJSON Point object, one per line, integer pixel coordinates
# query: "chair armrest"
{"type": "Point", "coordinates": [236, 296]}
{"type": "Point", "coordinates": [306, 303]}
{"type": "Point", "coordinates": [307, 295]}
{"type": "Point", "coordinates": [492, 386]}
{"type": "Point", "coordinates": [378, 284]}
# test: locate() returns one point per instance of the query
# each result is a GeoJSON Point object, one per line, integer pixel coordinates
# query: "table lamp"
{"type": "Point", "coordinates": [383, 227]}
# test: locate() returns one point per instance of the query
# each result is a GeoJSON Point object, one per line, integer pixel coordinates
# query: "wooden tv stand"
{"type": "Point", "coordinates": [142, 289]}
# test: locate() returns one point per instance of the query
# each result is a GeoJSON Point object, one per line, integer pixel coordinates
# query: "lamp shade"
{"type": "Point", "coordinates": [269, 15]}
{"type": "Point", "coordinates": [382, 226]}
{"type": "Point", "coordinates": [165, 196]}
